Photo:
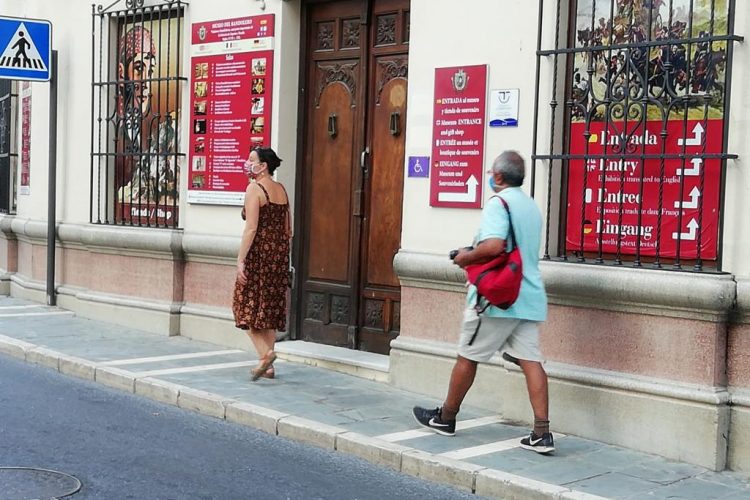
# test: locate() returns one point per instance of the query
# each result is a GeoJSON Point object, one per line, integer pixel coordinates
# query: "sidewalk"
{"type": "Point", "coordinates": [346, 413]}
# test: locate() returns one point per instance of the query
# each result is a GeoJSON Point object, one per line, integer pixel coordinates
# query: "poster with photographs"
{"type": "Point", "coordinates": [147, 164]}
{"type": "Point", "coordinates": [232, 68]}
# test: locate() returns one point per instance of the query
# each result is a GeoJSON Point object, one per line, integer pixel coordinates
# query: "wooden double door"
{"type": "Point", "coordinates": [352, 172]}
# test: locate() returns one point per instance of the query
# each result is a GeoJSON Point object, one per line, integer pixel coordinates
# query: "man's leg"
{"type": "Point", "coordinates": [523, 349]}
{"type": "Point", "coordinates": [462, 378]}
{"type": "Point", "coordinates": [536, 384]}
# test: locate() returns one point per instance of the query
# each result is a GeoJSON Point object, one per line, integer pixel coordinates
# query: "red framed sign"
{"type": "Point", "coordinates": [458, 137]}
{"type": "Point", "coordinates": [231, 99]}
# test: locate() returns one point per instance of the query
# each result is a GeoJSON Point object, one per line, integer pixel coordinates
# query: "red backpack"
{"type": "Point", "coordinates": [499, 280]}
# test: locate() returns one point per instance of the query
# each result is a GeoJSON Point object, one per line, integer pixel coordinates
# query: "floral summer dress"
{"type": "Point", "coordinates": [261, 303]}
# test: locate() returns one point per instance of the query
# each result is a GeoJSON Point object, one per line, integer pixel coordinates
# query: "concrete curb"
{"type": "Point", "coordinates": [309, 431]}
{"type": "Point", "coordinates": [463, 475]}
{"type": "Point", "coordinates": [440, 469]}
{"type": "Point", "coordinates": [373, 450]}
{"type": "Point", "coordinates": [158, 390]}
{"type": "Point", "coordinates": [202, 402]}
{"type": "Point", "coordinates": [13, 347]}
{"type": "Point", "coordinates": [258, 417]}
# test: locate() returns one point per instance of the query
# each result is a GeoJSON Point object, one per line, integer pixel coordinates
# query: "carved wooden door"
{"type": "Point", "coordinates": [353, 172]}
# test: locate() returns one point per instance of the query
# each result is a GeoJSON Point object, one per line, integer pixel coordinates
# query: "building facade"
{"type": "Point", "coordinates": [630, 114]}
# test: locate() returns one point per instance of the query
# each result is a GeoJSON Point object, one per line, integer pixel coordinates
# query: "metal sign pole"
{"type": "Point", "coordinates": [52, 182]}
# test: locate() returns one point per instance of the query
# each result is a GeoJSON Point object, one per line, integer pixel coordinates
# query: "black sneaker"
{"type": "Point", "coordinates": [431, 419]}
{"type": "Point", "coordinates": [544, 444]}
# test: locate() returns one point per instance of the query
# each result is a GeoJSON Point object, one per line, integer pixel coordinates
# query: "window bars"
{"type": "Point", "coordinates": [137, 83]}
{"type": "Point", "coordinates": [639, 148]}
{"type": "Point", "coordinates": [8, 153]}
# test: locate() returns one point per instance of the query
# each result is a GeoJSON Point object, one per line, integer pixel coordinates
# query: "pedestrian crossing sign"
{"type": "Point", "coordinates": [25, 49]}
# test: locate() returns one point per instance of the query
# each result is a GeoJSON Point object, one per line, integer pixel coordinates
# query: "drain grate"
{"type": "Point", "coordinates": [27, 483]}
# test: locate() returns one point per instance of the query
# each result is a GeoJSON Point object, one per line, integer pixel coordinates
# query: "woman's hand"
{"type": "Point", "coordinates": [241, 276]}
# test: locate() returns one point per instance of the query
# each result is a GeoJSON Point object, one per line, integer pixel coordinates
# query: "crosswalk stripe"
{"type": "Point", "coordinates": [460, 425]}
{"type": "Point", "coordinates": [190, 355]}
{"type": "Point", "coordinates": [50, 313]}
{"type": "Point", "coordinates": [483, 449]}
{"type": "Point", "coordinates": [199, 368]}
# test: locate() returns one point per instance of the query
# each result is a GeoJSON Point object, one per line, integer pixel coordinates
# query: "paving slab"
{"type": "Point", "coordinates": [351, 414]}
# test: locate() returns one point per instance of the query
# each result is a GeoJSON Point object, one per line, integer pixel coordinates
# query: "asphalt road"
{"type": "Point", "coordinates": [121, 447]}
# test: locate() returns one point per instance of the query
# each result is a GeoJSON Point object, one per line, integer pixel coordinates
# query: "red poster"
{"type": "Point", "coordinates": [614, 190]}
{"type": "Point", "coordinates": [458, 137]}
{"type": "Point", "coordinates": [25, 138]}
{"type": "Point", "coordinates": [232, 65]}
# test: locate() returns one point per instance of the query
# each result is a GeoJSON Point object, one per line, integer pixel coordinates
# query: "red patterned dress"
{"type": "Point", "coordinates": [261, 303]}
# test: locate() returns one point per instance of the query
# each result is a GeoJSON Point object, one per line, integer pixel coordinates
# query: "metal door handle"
{"type": "Point", "coordinates": [395, 124]}
{"type": "Point", "coordinates": [332, 131]}
{"type": "Point", "coordinates": [363, 158]}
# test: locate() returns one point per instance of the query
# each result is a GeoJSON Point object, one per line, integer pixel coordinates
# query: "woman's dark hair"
{"type": "Point", "coordinates": [268, 156]}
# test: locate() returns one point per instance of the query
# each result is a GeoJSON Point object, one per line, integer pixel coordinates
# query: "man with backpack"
{"type": "Point", "coordinates": [515, 330]}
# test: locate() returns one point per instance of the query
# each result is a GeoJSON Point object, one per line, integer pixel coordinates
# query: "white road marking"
{"type": "Point", "coordinates": [483, 449]}
{"type": "Point", "coordinates": [486, 449]}
{"type": "Point", "coordinates": [460, 425]}
{"type": "Point", "coordinates": [199, 368]}
{"type": "Point", "coordinates": [37, 306]}
{"type": "Point", "coordinates": [50, 313]}
{"type": "Point", "coordinates": [191, 355]}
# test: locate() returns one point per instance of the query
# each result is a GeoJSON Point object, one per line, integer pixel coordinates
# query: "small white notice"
{"type": "Point", "coordinates": [504, 108]}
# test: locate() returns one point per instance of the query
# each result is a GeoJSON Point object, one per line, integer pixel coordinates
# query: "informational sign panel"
{"type": "Point", "coordinates": [232, 68]}
{"type": "Point", "coordinates": [504, 108]}
{"type": "Point", "coordinates": [616, 189]}
{"type": "Point", "coordinates": [458, 137]}
{"type": "Point", "coordinates": [25, 138]}
{"type": "Point", "coordinates": [25, 49]}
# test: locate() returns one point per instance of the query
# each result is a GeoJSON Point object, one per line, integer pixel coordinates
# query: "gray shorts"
{"type": "Point", "coordinates": [517, 337]}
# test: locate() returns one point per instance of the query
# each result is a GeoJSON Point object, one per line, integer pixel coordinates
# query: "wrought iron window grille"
{"type": "Point", "coordinates": [635, 154]}
{"type": "Point", "coordinates": [136, 95]}
{"type": "Point", "coordinates": [8, 146]}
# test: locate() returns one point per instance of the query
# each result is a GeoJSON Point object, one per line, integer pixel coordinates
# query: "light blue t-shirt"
{"type": "Point", "coordinates": [527, 226]}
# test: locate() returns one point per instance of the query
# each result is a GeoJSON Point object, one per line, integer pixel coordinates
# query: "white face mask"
{"type": "Point", "coordinates": [250, 168]}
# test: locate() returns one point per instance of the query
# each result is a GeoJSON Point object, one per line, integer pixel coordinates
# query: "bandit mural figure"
{"type": "Point", "coordinates": [146, 141]}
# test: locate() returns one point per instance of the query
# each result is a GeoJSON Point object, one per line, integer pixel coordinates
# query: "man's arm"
{"type": "Point", "coordinates": [485, 251]}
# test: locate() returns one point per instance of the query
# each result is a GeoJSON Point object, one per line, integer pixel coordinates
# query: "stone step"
{"type": "Point", "coordinates": [366, 365]}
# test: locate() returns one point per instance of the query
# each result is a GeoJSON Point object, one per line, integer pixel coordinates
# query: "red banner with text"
{"type": "Point", "coordinates": [619, 197]}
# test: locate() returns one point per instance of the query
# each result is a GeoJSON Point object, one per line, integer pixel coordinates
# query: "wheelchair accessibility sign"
{"type": "Point", "coordinates": [419, 166]}
{"type": "Point", "coordinates": [26, 49]}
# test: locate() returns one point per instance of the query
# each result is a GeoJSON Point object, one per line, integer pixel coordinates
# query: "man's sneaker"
{"type": "Point", "coordinates": [431, 419]}
{"type": "Point", "coordinates": [544, 444]}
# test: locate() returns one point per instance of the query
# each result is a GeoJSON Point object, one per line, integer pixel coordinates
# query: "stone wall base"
{"type": "Point", "coordinates": [738, 456]}
{"type": "Point", "coordinates": [685, 423]}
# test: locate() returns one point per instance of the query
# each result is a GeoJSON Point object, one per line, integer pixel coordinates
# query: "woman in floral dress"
{"type": "Point", "coordinates": [259, 303]}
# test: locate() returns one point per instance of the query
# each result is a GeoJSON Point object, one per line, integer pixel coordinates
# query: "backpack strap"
{"type": "Point", "coordinates": [478, 306]}
{"type": "Point", "coordinates": [511, 233]}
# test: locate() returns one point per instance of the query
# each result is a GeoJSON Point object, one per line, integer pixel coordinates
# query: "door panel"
{"type": "Point", "coordinates": [353, 171]}
{"type": "Point", "coordinates": [380, 293]}
{"type": "Point", "coordinates": [331, 185]}
{"type": "Point", "coordinates": [386, 174]}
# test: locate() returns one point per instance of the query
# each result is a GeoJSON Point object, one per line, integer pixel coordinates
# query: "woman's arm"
{"type": "Point", "coordinates": [252, 209]}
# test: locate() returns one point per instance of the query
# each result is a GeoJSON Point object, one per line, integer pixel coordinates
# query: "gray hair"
{"type": "Point", "coordinates": [511, 165]}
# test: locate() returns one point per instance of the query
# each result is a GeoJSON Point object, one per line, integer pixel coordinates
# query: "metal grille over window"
{"type": "Point", "coordinates": [635, 159]}
{"type": "Point", "coordinates": [136, 97]}
{"type": "Point", "coordinates": [8, 153]}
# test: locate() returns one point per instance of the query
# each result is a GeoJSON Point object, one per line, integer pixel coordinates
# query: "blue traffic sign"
{"type": "Point", "coordinates": [25, 49]}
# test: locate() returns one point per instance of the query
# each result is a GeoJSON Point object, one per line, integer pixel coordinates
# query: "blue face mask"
{"type": "Point", "coordinates": [491, 183]}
